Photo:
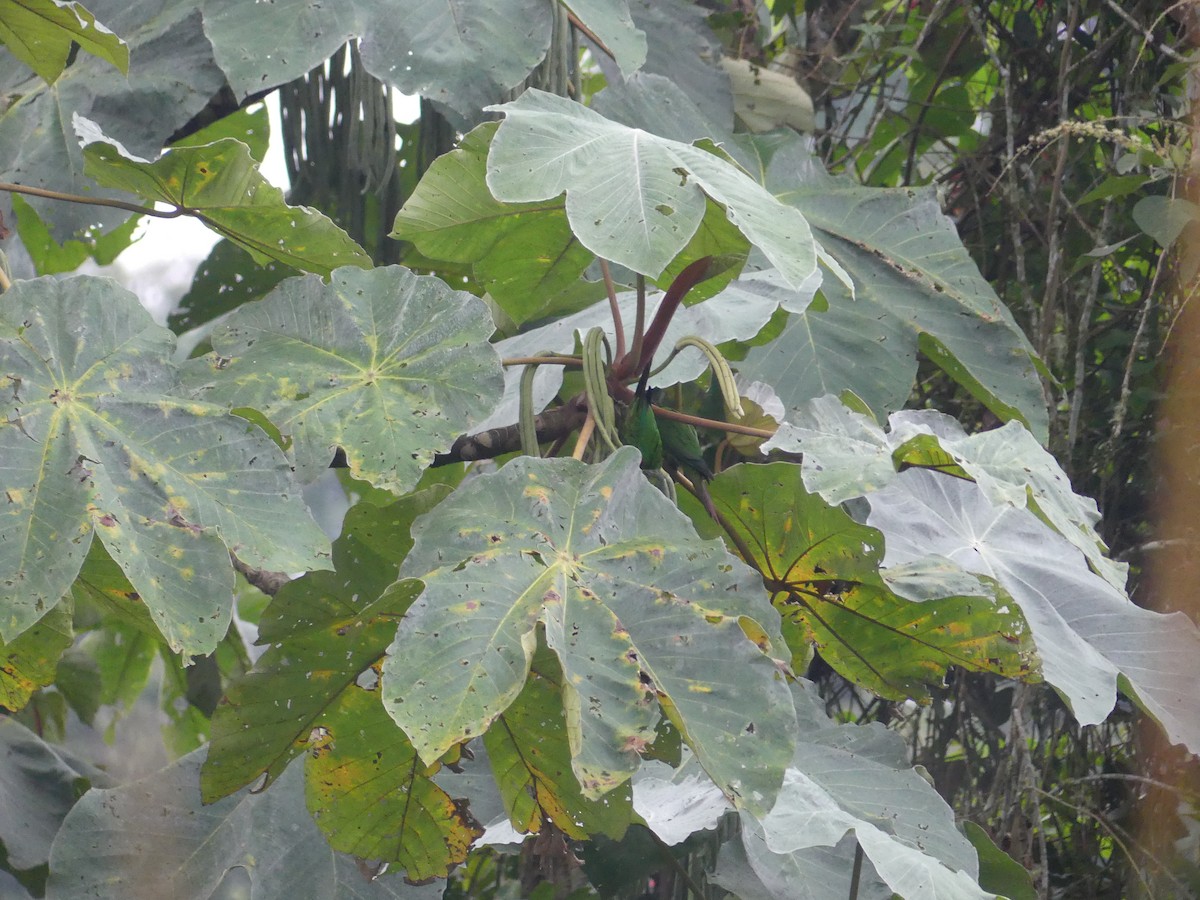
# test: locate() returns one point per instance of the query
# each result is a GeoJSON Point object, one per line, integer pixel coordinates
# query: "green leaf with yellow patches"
{"type": "Point", "coordinates": [388, 365]}
{"type": "Point", "coordinates": [219, 183]}
{"type": "Point", "coordinates": [41, 34]}
{"type": "Point", "coordinates": [97, 439]}
{"type": "Point", "coordinates": [823, 570]}
{"type": "Point", "coordinates": [323, 632]}
{"type": "Point", "coordinates": [532, 764]}
{"type": "Point", "coordinates": [31, 660]}
{"type": "Point", "coordinates": [635, 606]}
{"type": "Point", "coordinates": [375, 799]}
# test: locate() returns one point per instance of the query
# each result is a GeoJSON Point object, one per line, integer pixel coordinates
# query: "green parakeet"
{"type": "Point", "coordinates": [681, 447]}
{"type": "Point", "coordinates": [640, 428]}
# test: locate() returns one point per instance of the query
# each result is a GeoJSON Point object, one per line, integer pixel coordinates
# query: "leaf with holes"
{"type": "Point", "coordinates": [532, 764]}
{"type": "Point", "coordinates": [633, 197]}
{"type": "Point", "coordinates": [388, 365]}
{"type": "Point", "coordinates": [375, 799]}
{"type": "Point", "coordinates": [323, 634]}
{"type": "Point", "coordinates": [822, 567]}
{"type": "Point", "coordinates": [636, 607]}
{"type": "Point", "coordinates": [220, 184]}
{"type": "Point", "coordinates": [96, 437]}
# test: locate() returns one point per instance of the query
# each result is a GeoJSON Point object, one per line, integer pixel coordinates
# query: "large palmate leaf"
{"type": "Point", "coordinates": [155, 838]}
{"type": "Point", "coordinates": [96, 437]}
{"type": "Point", "coordinates": [738, 313]}
{"type": "Point", "coordinates": [298, 685]}
{"type": "Point", "coordinates": [463, 53]}
{"type": "Point", "coordinates": [634, 605]}
{"type": "Point", "coordinates": [681, 48]}
{"type": "Point", "coordinates": [388, 365]}
{"type": "Point", "coordinates": [633, 197]}
{"type": "Point", "coordinates": [905, 255]}
{"type": "Point", "coordinates": [39, 783]}
{"type": "Point", "coordinates": [856, 778]}
{"type": "Point", "coordinates": [851, 345]}
{"type": "Point", "coordinates": [523, 254]}
{"type": "Point", "coordinates": [171, 74]}
{"type": "Point", "coordinates": [848, 455]}
{"type": "Point", "coordinates": [1087, 633]}
{"type": "Point", "coordinates": [220, 184]}
{"type": "Point", "coordinates": [822, 568]}
{"type": "Point", "coordinates": [40, 33]}
{"type": "Point", "coordinates": [532, 764]}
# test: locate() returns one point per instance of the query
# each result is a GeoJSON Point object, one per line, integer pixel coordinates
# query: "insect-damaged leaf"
{"type": "Point", "coordinates": [532, 764]}
{"type": "Point", "coordinates": [634, 604]}
{"type": "Point", "coordinates": [322, 633]}
{"type": "Point", "coordinates": [220, 184]}
{"type": "Point", "coordinates": [96, 437]}
{"type": "Point", "coordinates": [388, 365]}
{"type": "Point", "coordinates": [374, 798]}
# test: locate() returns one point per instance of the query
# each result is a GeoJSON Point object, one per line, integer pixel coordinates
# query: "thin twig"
{"type": "Point", "coordinates": [1054, 251]}
{"type": "Point", "coordinates": [95, 201]}
{"type": "Point", "coordinates": [701, 422]}
{"type": "Point", "coordinates": [541, 360]}
{"type": "Point", "coordinates": [618, 325]}
{"type": "Point", "coordinates": [585, 435]}
{"type": "Point", "coordinates": [1081, 341]}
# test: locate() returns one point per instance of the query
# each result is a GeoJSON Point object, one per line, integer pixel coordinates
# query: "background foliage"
{"type": "Point", "coordinates": [938, 243]}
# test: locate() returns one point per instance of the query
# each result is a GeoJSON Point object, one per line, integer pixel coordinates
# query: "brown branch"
{"type": "Point", "coordinates": [267, 582]}
{"type": "Point", "coordinates": [551, 426]}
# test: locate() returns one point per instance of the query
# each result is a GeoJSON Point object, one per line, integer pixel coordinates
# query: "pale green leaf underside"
{"type": "Point", "coordinates": [1088, 634]}
{"type": "Point", "coordinates": [633, 197]}
{"type": "Point", "coordinates": [95, 438]}
{"type": "Point", "coordinates": [857, 778]}
{"type": "Point", "coordinates": [388, 365]}
{"type": "Point", "coordinates": [633, 604]}
{"type": "Point", "coordinates": [155, 838]}
{"type": "Point", "coordinates": [847, 455]}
